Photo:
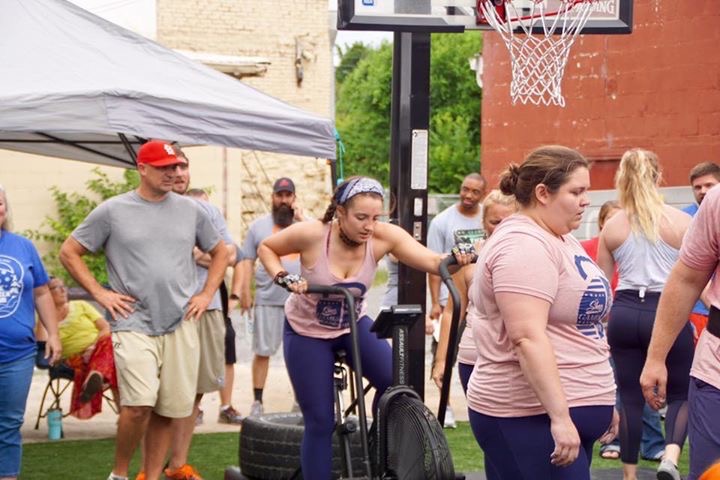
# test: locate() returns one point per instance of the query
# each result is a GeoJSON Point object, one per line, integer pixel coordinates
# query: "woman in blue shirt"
{"type": "Point", "coordinates": [23, 289]}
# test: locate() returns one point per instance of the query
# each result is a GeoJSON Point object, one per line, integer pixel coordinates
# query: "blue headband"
{"type": "Point", "coordinates": [357, 186]}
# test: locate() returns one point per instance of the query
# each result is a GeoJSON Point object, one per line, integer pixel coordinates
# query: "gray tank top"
{"type": "Point", "coordinates": [642, 264]}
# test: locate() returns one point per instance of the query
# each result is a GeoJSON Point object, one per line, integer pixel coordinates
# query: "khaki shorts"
{"type": "Point", "coordinates": [211, 330]}
{"type": "Point", "coordinates": [158, 371]}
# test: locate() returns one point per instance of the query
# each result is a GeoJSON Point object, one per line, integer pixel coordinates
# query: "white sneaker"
{"type": "Point", "coordinates": [668, 471]}
{"type": "Point", "coordinates": [256, 409]}
{"type": "Point", "coordinates": [449, 418]}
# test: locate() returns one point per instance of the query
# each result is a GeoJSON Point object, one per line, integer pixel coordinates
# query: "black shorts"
{"type": "Point", "coordinates": [230, 356]}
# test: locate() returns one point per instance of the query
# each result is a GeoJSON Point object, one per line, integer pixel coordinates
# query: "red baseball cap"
{"type": "Point", "coordinates": [157, 153]}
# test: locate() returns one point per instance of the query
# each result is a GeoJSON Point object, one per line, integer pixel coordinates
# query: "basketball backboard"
{"type": "Point", "coordinates": [607, 17]}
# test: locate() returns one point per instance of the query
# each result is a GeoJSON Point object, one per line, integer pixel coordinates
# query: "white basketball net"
{"type": "Point", "coordinates": [538, 61]}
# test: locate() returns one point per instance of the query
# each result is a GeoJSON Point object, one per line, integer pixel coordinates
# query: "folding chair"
{"type": "Point", "coordinates": [60, 378]}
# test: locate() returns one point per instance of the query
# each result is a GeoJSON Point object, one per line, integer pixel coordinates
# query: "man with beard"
{"type": "Point", "coordinates": [268, 308]}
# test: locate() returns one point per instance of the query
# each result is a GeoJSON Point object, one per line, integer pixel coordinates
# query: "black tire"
{"type": "Point", "coordinates": [270, 447]}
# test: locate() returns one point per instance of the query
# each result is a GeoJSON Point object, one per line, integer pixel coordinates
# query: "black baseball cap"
{"type": "Point", "coordinates": [283, 184]}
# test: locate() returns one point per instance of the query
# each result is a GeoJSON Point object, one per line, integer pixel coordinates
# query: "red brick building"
{"type": "Point", "coordinates": [657, 88]}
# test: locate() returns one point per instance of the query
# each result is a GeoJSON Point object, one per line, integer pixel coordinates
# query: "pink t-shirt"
{"type": "Point", "coordinates": [466, 348]}
{"type": "Point", "coordinates": [321, 316]}
{"type": "Point", "coordinates": [521, 257]}
{"type": "Point", "coordinates": [701, 251]}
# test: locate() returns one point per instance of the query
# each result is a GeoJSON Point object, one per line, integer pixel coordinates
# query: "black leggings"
{"type": "Point", "coordinates": [629, 330]}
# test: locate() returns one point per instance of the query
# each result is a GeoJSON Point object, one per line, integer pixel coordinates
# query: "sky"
{"type": "Point", "coordinates": [136, 15]}
{"type": "Point", "coordinates": [139, 16]}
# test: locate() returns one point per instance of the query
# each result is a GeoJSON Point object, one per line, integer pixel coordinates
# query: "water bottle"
{"type": "Point", "coordinates": [54, 420]}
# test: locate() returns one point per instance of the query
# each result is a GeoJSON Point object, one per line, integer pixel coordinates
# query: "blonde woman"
{"type": "Point", "coordinates": [496, 207]}
{"type": "Point", "coordinates": [644, 239]}
{"type": "Point", "coordinates": [23, 291]}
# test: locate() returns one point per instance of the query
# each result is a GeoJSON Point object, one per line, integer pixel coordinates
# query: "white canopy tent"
{"type": "Point", "coordinates": [75, 86]}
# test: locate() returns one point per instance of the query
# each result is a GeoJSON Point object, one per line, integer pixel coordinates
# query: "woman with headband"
{"type": "Point", "coordinates": [342, 249]}
{"type": "Point", "coordinates": [496, 207]}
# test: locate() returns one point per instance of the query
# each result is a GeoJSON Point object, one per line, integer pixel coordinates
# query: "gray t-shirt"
{"type": "Point", "coordinates": [266, 292]}
{"type": "Point", "coordinates": [450, 227]}
{"type": "Point", "coordinates": [148, 247]}
{"type": "Point", "coordinates": [218, 221]}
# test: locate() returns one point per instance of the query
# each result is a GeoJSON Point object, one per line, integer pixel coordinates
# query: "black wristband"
{"type": "Point", "coordinates": [234, 296]}
{"type": "Point", "coordinates": [277, 280]}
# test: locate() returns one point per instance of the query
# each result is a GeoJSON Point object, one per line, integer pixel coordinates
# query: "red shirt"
{"type": "Point", "coordinates": [591, 247]}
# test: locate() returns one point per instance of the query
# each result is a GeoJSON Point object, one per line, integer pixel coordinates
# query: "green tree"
{"type": "Point", "coordinates": [363, 112]}
{"type": "Point", "coordinates": [349, 58]}
{"type": "Point", "coordinates": [72, 208]}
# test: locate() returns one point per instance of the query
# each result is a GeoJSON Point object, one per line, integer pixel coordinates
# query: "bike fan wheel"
{"type": "Point", "coordinates": [416, 444]}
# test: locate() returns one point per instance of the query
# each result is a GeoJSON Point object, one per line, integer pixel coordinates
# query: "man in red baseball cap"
{"type": "Point", "coordinates": [148, 237]}
{"type": "Point", "coordinates": [157, 163]}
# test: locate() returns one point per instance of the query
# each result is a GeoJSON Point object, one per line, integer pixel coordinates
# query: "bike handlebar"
{"type": "Point", "coordinates": [357, 365]}
{"type": "Point", "coordinates": [452, 346]}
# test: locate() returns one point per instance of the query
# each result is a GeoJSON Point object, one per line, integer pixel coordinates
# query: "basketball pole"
{"type": "Point", "coordinates": [410, 121]}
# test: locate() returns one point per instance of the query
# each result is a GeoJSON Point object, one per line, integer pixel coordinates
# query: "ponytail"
{"type": "Point", "coordinates": [636, 181]}
{"type": "Point", "coordinates": [330, 212]}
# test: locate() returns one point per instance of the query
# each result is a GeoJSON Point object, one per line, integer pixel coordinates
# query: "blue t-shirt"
{"type": "Point", "coordinates": [691, 209]}
{"type": "Point", "coordinates": [699, 306]}
{"type": "Point", "coordinates": [21, 271]}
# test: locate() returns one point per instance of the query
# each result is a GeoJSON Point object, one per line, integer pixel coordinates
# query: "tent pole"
{"type": "Point", "coordinates": [80, 147]}
{"type": "Point", "coordinates": [128, 148]}
{"type": "Point", "coordinates": [333, 173]}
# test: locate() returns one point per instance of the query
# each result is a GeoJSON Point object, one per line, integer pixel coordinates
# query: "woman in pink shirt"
{"type": "Point", "coordinates": [496, 207]}
{"type": "Point", "coordinates": [542, 390]}
{"type": "Point", "coordinates": [341, 250]}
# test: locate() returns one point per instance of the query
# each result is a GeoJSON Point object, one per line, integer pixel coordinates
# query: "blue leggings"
{"type": "Point", "coordinates": [464, 372]}
{"type": "Point", "coordinates": [309, 362]}
{"type": "Point", "coordinates": [629, 331]}
{"type": "Point", "coordinates": [519, 448]}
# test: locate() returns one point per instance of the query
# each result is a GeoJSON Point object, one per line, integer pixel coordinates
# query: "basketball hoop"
{"type": "Point", "coordinates": [538, 38]}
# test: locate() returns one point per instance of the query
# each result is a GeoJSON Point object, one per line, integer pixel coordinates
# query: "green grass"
{"type": "Point", "coordinates": [93, 459]}
{"type": "Point", "coordinates": [212, 452]}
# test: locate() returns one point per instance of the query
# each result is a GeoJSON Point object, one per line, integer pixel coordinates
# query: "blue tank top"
{"type": "Point", "coordinates": [643, 264]}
